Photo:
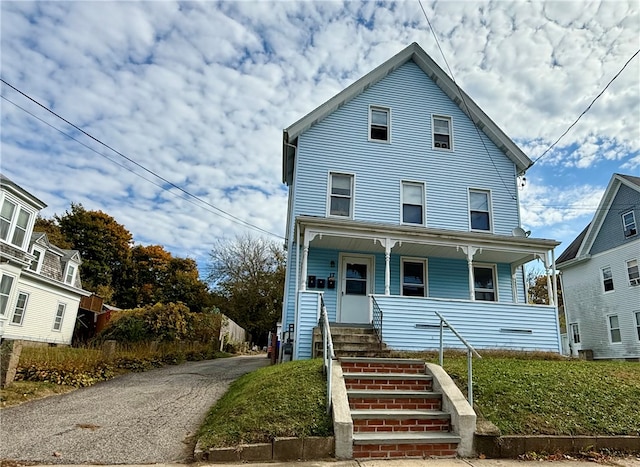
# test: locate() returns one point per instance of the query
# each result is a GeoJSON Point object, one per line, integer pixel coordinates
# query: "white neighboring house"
{"type": "Point", "coordinates": [40, 286]}
{"type": "Point", "coordinates": [601, 279]}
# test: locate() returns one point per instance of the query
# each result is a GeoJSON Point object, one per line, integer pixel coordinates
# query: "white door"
{"type": "Point", "coordinates": [574, 339]}
{"type": "Point", "coordinates": [356, 285]}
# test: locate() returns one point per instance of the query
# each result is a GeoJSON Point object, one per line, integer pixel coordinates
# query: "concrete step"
{"type": "Point", "coordinates": [355, 338]}
{"type": "Point", "coordinates": [404, 444]}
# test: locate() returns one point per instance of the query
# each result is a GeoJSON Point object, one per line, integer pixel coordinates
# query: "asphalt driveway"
{"type": "Point", "coordinates": [137, 418]}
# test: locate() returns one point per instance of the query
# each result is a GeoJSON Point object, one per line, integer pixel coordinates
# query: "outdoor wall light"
{"type": "Point", "coordinates": [333, 264]}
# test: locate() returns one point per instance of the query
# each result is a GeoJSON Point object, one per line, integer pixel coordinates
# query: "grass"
{"type": "Point", "coordinates": [23, 391]}
{"type": "Point", "coordinates": [525, 393]}
{"type": "Point", "coordinates": [286, 400]}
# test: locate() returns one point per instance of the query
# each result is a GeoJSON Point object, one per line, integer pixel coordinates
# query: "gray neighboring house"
{"type": "Point", "coordinates": [600, 276]}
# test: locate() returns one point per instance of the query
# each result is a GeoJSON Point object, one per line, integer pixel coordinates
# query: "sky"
{"type": "Point", "coordinates": [198, 93]}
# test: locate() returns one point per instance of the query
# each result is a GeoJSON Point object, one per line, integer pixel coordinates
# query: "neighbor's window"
{"type": "Point", "coordinates": [341, 195]}
{"type": "Point", "coordinates": [379, 124]}
{"type": "Point", "coordinates": [484, 283]}
{"type": "Point", "coordinates": [57, 322]}
{"type": "Point", "coordinates": [71, 274]}
{"type": "Point", "coordinates": [412, 203]}
{"type": "Point", "coordinates": [629, 224]}
{"type": "Point", "coordinates": [607, 279]}
{"type": "Point", "coordinates": [413, 278]}
{"type": "Point", "coordinates": [5, 291]}
{"type": "Point", "coordinates": [13, 223]}
{"type": "Point", "coordinates": [480, 210]}
{"type": "Point", "coordinates": [633, 272]}
{"type": "Point", "coordinates": [638, 324]}
{"type": "Point", "coordinates": [442, 132]}
{"type": "Point", "coordinates": [575, 333]}
{"type": "Point", "coordinates": [614, 329]}
{"type": "Point", "coordinates": [21, 306]}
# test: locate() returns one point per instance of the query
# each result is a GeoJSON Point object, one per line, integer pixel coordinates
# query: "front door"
{"type": "Point", "coordinates": [356, 285]}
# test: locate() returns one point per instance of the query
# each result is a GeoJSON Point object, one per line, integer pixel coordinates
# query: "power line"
{"type": "Point", "coordinates": [461, 94]}
{"type": "Point", "coordinates": [219, 211]}
{"type": "Point", "coordinates": [588, 107]}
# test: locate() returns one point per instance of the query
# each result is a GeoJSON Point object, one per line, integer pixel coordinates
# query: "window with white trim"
{"type": "Point", "coordinates": [379, 124]}
{"type": "Point", "coordinates": [614, 329]}
{"type": "Point", "coordinates": [14, 222]}
{"type": "Point", "coordinates": [484, 283]}
{"type": "Point", "coordinates": [36, 264]}
{"type": "Point", "coordinates": [341, 195]}
{"type": "Point", "coordinates": [57, 322]}
{"type": "Point", "coordinates": [607, 279]}
{"type": "Point", "coordinates": [6, 282]}
{"type": "Point", "coordinates": [480, 210]}
{"type": "Point", "coordinates": [633, 272]}
{"type": "Point", "coordinates": [21, 306]}
{"type": "Point", "coordinates": [414, 275]}
{"type": "Point", "coordinates": [442, 132]}
{"type": "Point", "coordinates": [638, 324]}
{"type": "Point", "coordinates": [412, 203]}
{"type": "Point", "coordinates": [575, 333]}
{"type": "Point", "coordinates": [70, 276]}
{"type": "Point", "coordinates": [629, 224]}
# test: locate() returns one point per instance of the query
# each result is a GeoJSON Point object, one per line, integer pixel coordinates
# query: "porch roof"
{"type": "Point", "coordinates": [407, 240]}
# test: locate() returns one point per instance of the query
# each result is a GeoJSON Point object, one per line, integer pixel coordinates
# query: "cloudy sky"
{"type": "Point", "coordinates": [198, 93]}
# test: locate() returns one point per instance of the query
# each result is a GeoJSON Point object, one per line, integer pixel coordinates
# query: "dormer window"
{"type": "Point", "coordinates": [14, 222]}
{"type": "Point", "coordinates": [442, 133]}
{"type": "Point", "coordinates": [70, 276]}
{"type": "Point", "coordinates": [379, 124]}
{"type": "Point", "coordinates": [36, 264]}
{"type": "Point", "coordinates": [629, 224]}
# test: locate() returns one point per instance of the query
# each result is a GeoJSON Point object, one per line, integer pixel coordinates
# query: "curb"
{"type": "Point", "coordinates": [280, 449]}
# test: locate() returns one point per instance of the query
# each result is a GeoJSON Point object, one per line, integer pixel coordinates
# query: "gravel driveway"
{"type": "Point", "coordinates": [137, 418]}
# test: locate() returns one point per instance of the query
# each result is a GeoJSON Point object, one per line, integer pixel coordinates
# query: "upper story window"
{"type": "Point", "coordinates": [6, 282]}
{"type": "Point", "coordinates": [14, 222]}
{"type": "Point", "coordinates": [21, 306]}
{"type": "Point", "coordinates": [442, 138]}
{"type": "Point", "coordinates": [414, 278]}
{"type": "Point", "coordinates": [638, 324]}
{"type": "Point", "coordinates": [480, 210]}
{"type": "Point", "coordinates": [614, 329]}
{"type": "Point", "coordinates": [607, 279]}
{"type": "Point", "coordinates": [70, 276]}
{"type": "Point", "coordinates": [379, 124]}
{"type": "Point", "coordinates": [633, 272]}
{"type": "Point", "coordinates": [57, 322]}
{"type": "Point", "coordinates": [484, 283]}
{"type": "Point", "coordinates": [629, 224]}
{"type": "Point", "coordinates": [36, 264]}
{"type": "Point", "coordinates": [413, 203]}
{"type": "Point", "coordinates": [341, 195]}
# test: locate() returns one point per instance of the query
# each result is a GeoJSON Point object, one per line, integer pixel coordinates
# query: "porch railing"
{"type": "Point", "coordinates": [376, 321]}
{"type": "Point", "coordinates": [470, 353]}
{"type": "Point", "coordinates": [328, 354]}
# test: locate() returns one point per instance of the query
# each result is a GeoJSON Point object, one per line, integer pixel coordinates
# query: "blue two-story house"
{"type": "Point", "coordinates": [403, 201]}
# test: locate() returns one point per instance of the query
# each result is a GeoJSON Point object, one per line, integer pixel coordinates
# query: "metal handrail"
{"type": "Point", "coordinates": [376, 321]}
{"type": "Point", "coordinates": [328, 354]}
{"type": "Point", "coordinates": [470, 353]}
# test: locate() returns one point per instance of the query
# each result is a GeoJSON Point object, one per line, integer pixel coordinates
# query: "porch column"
{"type": "Point", "coordinates": [387, 267]}
{"type": "Point", "coordinates": [555, 281]}
{"type": "Point", "coordinates": [514, 284]}
{"type": "Point", "coordinates": [303, 277]}
{"type": "Point", "coordinates": [470, 251]}
{"type": "Point", "coordinates": [549, 285]}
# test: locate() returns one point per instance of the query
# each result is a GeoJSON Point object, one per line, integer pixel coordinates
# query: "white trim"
{"type": "Point", "coordinates": [14, 281]}
{"type": "Point", "coordinates": [636, 325]}
{"type": "Point", "coordinates": [433, 132]}
{"type": "Point", "coordinates": [384, 109]}
{"type": "Point", "coordinates": [352, 206]}
{"type": "Point", "coordinates": [634, 223]}
{"type": "Point", "coordinates": [602, 279]}
{"type": "Point", "coordinates": [73, 275]}
{"type": "Point", "coordinates": [636, 281]}
{"type": "Point", "coordinates": [425, 273]}
{"type": "Point", "coordinates": [340, 280]}
{"type": "Point", "coordinates": [424, 202]}
{"type": "Point", "coordinates": [494, 268]}
{"type": "Point", "coordinates": [609, 328]}
{"type": "Point", "coordinates": [42, 250]}
{"type": "Point", "coordinates": [490, 206]}
{"type": "Point", "coordinates": [19, 205]}
{"type": "Point", "coordinates": [55, 317]}
{"type": "Point", "coordinates": [24, 308]}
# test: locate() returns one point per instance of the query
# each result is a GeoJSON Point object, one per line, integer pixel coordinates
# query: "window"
{"type": "Point", "coordinates": [614, 329]}
{"type": "Point", "coordinates": [5, 292]}
{"type": "Point", "coordinates": [607, 279]}
{"type": "Point", "coordinates": [341, 199]}
{"type": "Point", "coordinates": [638, 324]}
{"type": "Point", "coordinates": [57, 322]}
{"type": "Point", "coordinates": [575, 333]}
{"type": "Point", "coordinates": [412, 203]}
{"type": "Point", "coordinates": [13, 223]}
{"type": "Point", "coordinates": [629, 224]}
{"type": "Point", "coordinates": [379, 124]}
{"type": "Point", "coordinates": [442, 132]}
{"type": "Point", "coordinates": [484, 283]}
{"type": "Point", "coordinates": [633, 272]}
{"type": "Point", "coordinates": [37, 262]}
{"type": "Point", "coordinates": [69, 278]}
{"type": "Point", "coordinates": [480, 210]}
{"type": "Point", "coordinates": [413, 278]}
{"type": "Point", "coordinates": [21, 305]}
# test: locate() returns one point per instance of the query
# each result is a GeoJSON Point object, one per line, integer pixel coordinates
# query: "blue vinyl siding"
{"type": "Point", "coordinates": [611, 234]}
{"type": "Point", "coordinates": [340, 143]}
{"type": "Point", "coordinates": [448, 278]}
{"type": "Point", "coordinates": [308, 311]}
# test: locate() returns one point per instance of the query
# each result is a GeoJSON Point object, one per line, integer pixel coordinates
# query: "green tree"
{"type": "Point", "coordinates": [247, 275]}
{"type": "Point", "coordinates": [54, 234]}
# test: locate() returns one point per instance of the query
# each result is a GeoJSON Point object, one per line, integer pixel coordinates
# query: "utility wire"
{"type": "Point", "coordinates": [461, 94]}
{"type": "Point", "coordinates": [588, 107]}
{"type": "Point", "coordinates": [219, 211]}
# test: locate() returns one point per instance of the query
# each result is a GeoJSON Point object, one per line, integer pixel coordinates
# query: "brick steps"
{"type": "Point", "coordinates": [395, 413]}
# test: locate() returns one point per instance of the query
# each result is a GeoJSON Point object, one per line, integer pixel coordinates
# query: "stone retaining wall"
{"type": "Point", "coordinates": [281, 449]}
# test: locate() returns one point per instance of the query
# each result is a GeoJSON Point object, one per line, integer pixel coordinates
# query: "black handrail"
{"type": "Point", "coordinates": [376, 321]}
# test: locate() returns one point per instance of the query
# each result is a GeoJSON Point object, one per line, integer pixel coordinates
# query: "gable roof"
{"type": "Point", "coordinates": [21, 193]}
{"type": "Point", "coordinates": [411, 53]}
{"type": "Point", "coordinates": [584, 241]}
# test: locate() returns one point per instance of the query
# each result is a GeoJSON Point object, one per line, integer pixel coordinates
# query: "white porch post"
{"type": "Point", "coordinates": [470, 251]}
{"type": "Point", "coordinates": [514, 284]}
{"type": "Point", "coordinates": [549, 286]}
{"type": "Point", "coordinates": [305, 254]}
{"type": "Point", "coordinates": [555, 282]}
{"type": "Point", "coordinates": [387, 267]}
